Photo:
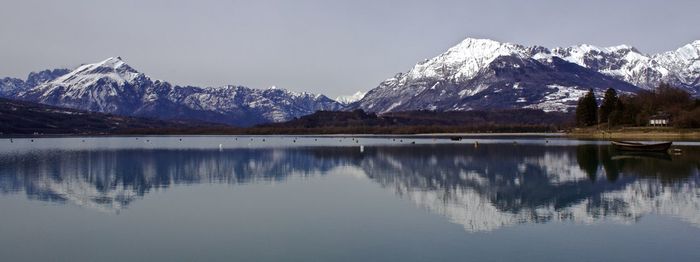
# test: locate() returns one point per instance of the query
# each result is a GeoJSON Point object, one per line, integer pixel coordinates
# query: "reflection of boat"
{"type": "Point", "coordinates": [456, 138]}
{"type": "Point", "coordinates": [634, 146]}
{"type": "Point", "coordinates": [642, 155]}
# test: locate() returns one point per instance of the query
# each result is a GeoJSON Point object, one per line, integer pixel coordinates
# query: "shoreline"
{"type": "Point", "coordinates": [419, 135]}
{"type": "Point", "coordinates": [671, 134]}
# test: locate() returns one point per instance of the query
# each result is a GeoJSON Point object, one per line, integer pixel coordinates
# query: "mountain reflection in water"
{"type": "Point", "coordinates": [482, 188]}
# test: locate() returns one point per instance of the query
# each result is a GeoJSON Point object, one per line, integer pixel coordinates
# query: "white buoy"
{"type": "Point", "coordinates": [362, 148]}
{"type": "Point", "coordinates": [221, 147]}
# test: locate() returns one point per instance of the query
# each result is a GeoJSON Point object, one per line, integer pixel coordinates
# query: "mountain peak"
{"type": "Point", "coordinates": [687, 56]}
{"type": "Point", "coordinates": [692, 49]}
{"type": "Point", "coordinates": [115, 63]}
{"type": "Point", "coordinates": [479, 44]}
{"type": "Point", "coordinates": [113, 68]}
{"type": "Point", "coordinates": [623, 47]}
{"type": "Point", "coordinates": [348, 99]}
{"type": "Point", "coordinates": [466, 58]}
{"type": "Point", "coordinates": [478, 41]}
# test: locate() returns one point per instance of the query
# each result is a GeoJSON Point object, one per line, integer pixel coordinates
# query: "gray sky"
{"type": "Point", "coordinates": [329, 47]}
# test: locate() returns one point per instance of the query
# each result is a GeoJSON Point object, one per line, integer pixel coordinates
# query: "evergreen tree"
{"type": "Point", "coordinates": [609, 102]}
{"type": "Point", "coordinates": [616, 117]}
{"type": "Point", "coordinates": [587, 110]}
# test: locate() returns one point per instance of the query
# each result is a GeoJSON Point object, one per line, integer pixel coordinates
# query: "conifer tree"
{"type": "Point", "coordinates": [608, 105]}
{"type": "Point", "coordinates": [587, 110]}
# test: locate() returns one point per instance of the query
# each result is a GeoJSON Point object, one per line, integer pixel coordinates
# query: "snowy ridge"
{"type": "Point", "coordinates": [483, 74]}
{"type": "Point", "coordinates": [351, 98]}
{"type": "Point", "coordinates": [680, 67]}
{"type": "Point", "coordinates": [10, 87]}
{"type": "Point", "coordinates": [112, 86]}
{"type": "Point", "coordinates": [464, 60]}
{"type": "Point", "coordinates": [475, 74]}
{"type": "Point", "coordinates": [112, 68]}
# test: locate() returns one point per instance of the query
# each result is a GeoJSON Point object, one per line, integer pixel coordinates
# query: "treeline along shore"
{"type": "Point", "coordinates": [664, 113]}
{"type": "Point", "coordinates": [413, 122]}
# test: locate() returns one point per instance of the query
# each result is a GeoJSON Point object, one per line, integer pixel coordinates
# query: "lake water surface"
{"type": "Point", "coordinates": [283, 198]}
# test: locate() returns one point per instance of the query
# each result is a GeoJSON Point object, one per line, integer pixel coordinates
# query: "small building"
{"type": "Point", "coordinates": [660, 119]}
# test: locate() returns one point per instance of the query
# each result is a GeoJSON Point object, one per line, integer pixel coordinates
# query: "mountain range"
{"type": "Point", "coordinates": [476, 74]}
{"type": "Point", "coordinates": [486, 74]}
{"type": "Point", "coordinates": [112, 86]}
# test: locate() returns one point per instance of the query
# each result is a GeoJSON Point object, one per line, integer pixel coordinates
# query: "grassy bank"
{"type": "Point", "coordinates": [636, 133]}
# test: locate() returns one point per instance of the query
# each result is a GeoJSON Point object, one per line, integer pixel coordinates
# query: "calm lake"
{"type": "Point", "coordinates": [284, 198]}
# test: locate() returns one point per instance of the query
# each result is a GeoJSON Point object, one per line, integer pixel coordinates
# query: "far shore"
{"type": "Point", "coordinates": [630, 133]}
{"type": "Point", "coordinates": [419, 135]}
{"type": "Point", "coordinates": [636, 133]}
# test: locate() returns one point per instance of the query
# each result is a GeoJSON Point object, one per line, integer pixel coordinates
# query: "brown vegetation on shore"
{"type": "Point", "coordinates": [636, 133]}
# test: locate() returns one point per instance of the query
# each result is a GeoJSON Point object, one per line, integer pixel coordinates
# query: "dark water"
{"type": "Point", "coordinates": [328, 199]}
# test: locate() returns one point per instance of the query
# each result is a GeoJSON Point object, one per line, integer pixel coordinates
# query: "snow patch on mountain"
{"type": "Point", "coordinates": [563, 98]}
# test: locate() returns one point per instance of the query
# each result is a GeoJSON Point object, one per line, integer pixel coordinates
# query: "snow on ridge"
{"type": "Point", "coordinates": [465, 59]}
{"type": "Point", "coordinates": [351, 98]}
{"type": "Point", "coordinates": [113, 68]}
{"type": "Point", "coordinates": [112, 86]}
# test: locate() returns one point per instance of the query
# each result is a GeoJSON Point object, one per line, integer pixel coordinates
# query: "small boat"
{"type": "Point", "coordinates": [456, 138]}
{"type": "Point", "coordinates": [634, 146]}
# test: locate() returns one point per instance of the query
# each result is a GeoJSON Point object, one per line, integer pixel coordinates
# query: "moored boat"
{"type": "Point", "coordinates": [634, 146]}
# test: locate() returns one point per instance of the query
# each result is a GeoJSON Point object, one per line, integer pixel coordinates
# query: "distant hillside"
{"type": "Point", "coordinates": [19, 117]}
{"type": "Point", "coordinates": [359, 121]}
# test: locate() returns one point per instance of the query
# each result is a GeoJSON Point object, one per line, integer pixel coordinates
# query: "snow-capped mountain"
{"type": "Point", "coordinates": [10, 87]}
{"type": "Point", "coordinates": [486, 74]}
{"type": "Point", "coordinates": [112, 86]}
{"type": "Point", "coordinates": [680, 68]}
{"type": "Point", "coordinates": [475, 74]}
{"type": "Point", "coordinates": [351, 98]}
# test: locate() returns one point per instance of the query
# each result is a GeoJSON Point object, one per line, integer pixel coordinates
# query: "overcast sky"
{"type": "Point", "coordinates": [329, 47]}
